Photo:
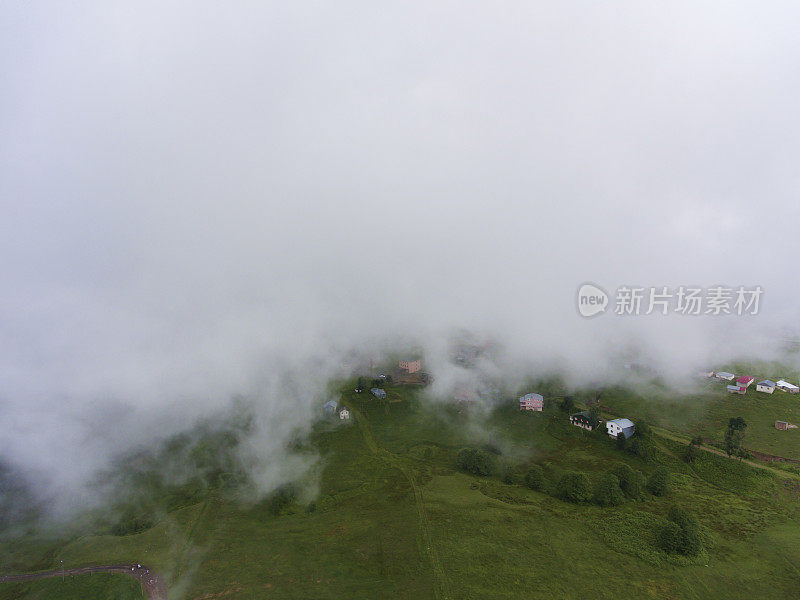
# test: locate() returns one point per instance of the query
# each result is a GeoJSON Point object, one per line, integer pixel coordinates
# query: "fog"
{"type": "Point", "coordinates": [202, 200]}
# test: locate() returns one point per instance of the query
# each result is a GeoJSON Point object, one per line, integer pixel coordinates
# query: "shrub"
{"type": "Point", "coordinates": [643, 429]}
{"type": "Point", "coordinates": [281, 497]}
{"type": "Point", "coordinates": [607, 491]}
{"type": "Point", "coordinates": [508, 475]}
{"type": "Point", "coordinates": [621, 442]}
{"type": "Point", "coordinates": [690, 454]}
{"type": "Point", "coordinates": [670, 538]}
{"type": "Point", "coordinates": [534, 478]}
{"type": "Point", "coordinates": [475, 460]}
{"type": "Point", "coordinates": [631, 482]}
{"type": "Point", "coordinates": [574, 487]}
{"type": "Point", "coordinates": [688, 541]}
{"type": "Point", "coordinates": [659, 482]}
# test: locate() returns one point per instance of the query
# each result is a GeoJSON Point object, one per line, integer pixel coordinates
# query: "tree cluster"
{"type": "Point", "coordinates": [681, 535]}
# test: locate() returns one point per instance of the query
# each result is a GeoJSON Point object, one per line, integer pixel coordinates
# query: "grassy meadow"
{"type": "Point", "coordinates": [393, 518]}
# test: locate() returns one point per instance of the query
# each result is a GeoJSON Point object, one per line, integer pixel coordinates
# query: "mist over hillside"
{"type": "Point", "coordinates": [200, 202]}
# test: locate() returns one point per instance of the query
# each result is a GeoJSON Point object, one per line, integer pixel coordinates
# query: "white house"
{"type": "Point", "coordinates": [344, 414]}
{"type": "Point", "coordinates": [765, 386]}
{"type": "Point", "coordinates": [617, 426]}
{"type": "Point", "coordinates": [725, 375]}
{"type": "Point", "coordinates": [786, 386]}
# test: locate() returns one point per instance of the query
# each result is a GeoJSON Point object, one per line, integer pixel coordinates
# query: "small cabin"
{"type": "Point", "coordinates": [378, 393]}
{"type": "Point", "coordinates": [765, 386]}
{"type": "Point", "coordinates": [785, 386]}
{"type": "Point", "coordinates": [330, 406]}
{"type": "Point", "coordinates": [736, 389]}
{"type": "Point", "coordinates": [725, 375]}
{"type": "Point", "coordinates": [744, 380]}
{"type": "Point", "coordinates": [782, 425]}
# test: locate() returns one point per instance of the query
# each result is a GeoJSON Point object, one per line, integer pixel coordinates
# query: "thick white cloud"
{"type": "Point", "coordinates": [199, 198]}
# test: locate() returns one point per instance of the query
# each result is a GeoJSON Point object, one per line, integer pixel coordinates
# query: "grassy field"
{"type": "Point", "coordinates": [394, 519]}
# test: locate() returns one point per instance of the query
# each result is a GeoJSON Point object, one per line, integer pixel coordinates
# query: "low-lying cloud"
{"type": "Point", "coordinates": [203, 201]}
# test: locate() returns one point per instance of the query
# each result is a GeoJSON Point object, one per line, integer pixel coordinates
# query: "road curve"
{"type": "Point", "coordinates": [152, 583]}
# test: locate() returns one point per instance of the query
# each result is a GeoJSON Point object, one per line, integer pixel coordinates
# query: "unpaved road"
{"type": "Point", "coordinates": [152, 583]}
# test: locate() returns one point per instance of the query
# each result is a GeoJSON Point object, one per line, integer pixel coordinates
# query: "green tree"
{"type": "Point", "coordinates": [643, 429]}
{"type": "Point", "coordinates": [567, 404]}
{"type": "Point", "coordinates": [574, 487]}
{"type": "Point", "coordinates": [659, 482]}
{"type": "Point", "coordinates": [621, 442]}
{"type": "Point", "coordinates": [691, 453]}
{"type": "Point", "coordinates": [689, 541]}
{"type": "Point", "coordinates": [475, 460]}
{"type": "Point", "coordinates": [682, 518]}
{"type": "Point", "coordinates": [670, 538]}
{"type": "Point", "coordinates": [607, 491]}
{"type": "Point", "coordinates": [631, 482]}
{"type": "Point", "coordinates": [534, 478]}
{"type": "Point", "coordinates": [734, 436]}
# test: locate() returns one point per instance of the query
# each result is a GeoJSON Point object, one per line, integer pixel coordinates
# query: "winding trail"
{"type": "Point", "coordinates": [152, 584]}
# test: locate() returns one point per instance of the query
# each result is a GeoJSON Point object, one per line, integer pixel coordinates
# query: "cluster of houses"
{"type": "Point", "coordinates": [742, 382]}
{"type": "Point", "coordinates": [332, 407]}
{"type": "Point", "coordinates": [614, 428]}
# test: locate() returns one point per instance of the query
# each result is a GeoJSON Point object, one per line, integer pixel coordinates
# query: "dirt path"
{"type": "Point", "coordinates": [685, 440]}
{"type": "Point", "coordinates": [152, 583]}
{"type": "Point", "coordinates": [425, 541]}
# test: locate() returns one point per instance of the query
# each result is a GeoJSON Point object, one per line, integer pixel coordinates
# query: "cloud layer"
{"type": "Point", "coordinates": [200, 201]}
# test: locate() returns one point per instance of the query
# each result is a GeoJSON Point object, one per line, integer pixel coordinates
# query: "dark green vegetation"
{"type": "Point", "coordinates": [535, 508]}
{"type": "Point", "coordinates": [99, 586]}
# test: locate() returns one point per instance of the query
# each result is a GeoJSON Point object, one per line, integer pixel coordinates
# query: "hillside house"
{"type": "Point", "coordinates": [785, 386]}
{"type": "Point", "coordinates": [582, 420]}
{"type": "Point", "coordinates": [736, 389]}
{"type": "Point", "coordinates": [765, 386]}
{"type": "Point", "coordinates": [620, 426]}
{"type": "Point", "coordinates": [378, 393]}
{"type": "Point", "coordinates": [531, 402]}
{"type": "Point", "coordinates": [410, 366]}
{"type": "Point", "coordinates": [782, 425]}
{"type": "Point", "coordinates": [330, 407]}
{"type": "Point", "coordinates": [725, 375]}
{"type": "Point", "coordinates": [744, 380]}
{"type": "Point", "coordinates": [344, 414]}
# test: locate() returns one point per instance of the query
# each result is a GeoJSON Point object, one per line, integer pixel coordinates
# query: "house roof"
{"type": "Point", "coordinates": [736, 388]}
{"type": "Point", "coordinates": [783, 383]}
{"type": "Point", "coordinates": [724, 374]}
{"type": "Point", "coordinates": [746, 378]}
{"type": "Point", "coordinates": [531, 397]}
{"type": "Point", "coordinates": [330, 404]}
{"type": "Point", "coordinates": [623, 423]}
{"type": "Point", "coordinates": [767, 382]}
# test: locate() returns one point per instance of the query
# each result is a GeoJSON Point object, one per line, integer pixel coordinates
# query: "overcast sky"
{"type": "Point", "coordinates": [199, 197]}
